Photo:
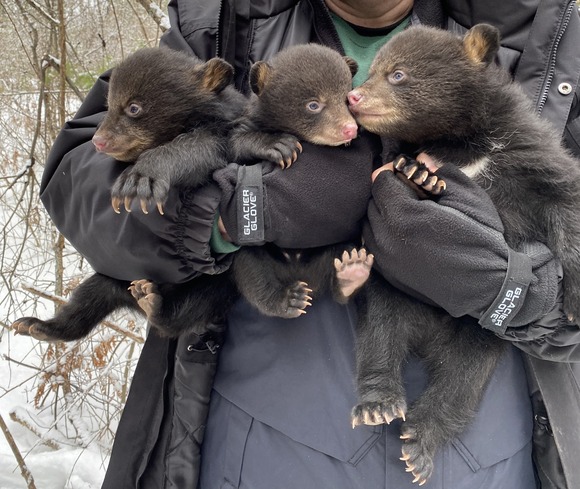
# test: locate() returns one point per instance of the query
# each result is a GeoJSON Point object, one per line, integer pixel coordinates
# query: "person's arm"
{"type": "Point", "coordinates": [320, 200]}
{"type": "Point", "coordinates": [452, 253]}
{"type": "Point", "coordinates": [76, 191]}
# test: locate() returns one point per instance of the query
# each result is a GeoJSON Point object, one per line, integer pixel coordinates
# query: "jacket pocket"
{"type": "Point", "coordinates": [282, 375]}
{"type": "Point", "coordinates": [503, 424]}
{"type": "Point", "coordinates": [240, 451]}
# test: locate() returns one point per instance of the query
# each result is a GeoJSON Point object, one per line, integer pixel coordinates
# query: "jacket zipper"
{"type": "Point", "coordinates": [549, 78]}
{"type": "Point", "coordinates": [219, 30]}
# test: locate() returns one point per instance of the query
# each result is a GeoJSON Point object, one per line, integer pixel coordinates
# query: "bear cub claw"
{"type": "Point", "coordinates": [378, 412]}
{"type": "Point", "coordinates": [418, 458]}
{"type": "Point", "coordinates": [133, 184]}
{"type": "Point", "coordinates": [296, 300]}
{"type": "Point", "coordinates": [420, 175]}
{"type": "Point", "coordinates": [30, 326]}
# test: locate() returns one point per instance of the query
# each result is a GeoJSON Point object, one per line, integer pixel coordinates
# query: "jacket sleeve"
{"type": "Point", "coordinates": [75, 190]}
{"type": "Point", "coordinates": [552, 336]}
{"type": "Point", "coordinates": [452, 253]}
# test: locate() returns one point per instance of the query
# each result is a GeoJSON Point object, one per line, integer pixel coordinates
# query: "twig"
{"type": "Point", "coordinates": [45, 441]}
{"type": "Point", "coordinates": [23, 468]}
{"type": "Point", "coordinates": [156, 14]}
{"type": "Point", "coordinates": [54, 63]}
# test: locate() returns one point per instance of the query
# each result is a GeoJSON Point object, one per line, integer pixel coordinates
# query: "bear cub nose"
{"type": "Point", "coordinates": [349, 131]}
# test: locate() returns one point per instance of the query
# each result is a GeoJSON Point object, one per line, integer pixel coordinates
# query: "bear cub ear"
{"type": "Point", "coordinates": [481, 43]}
{"type": "Point", "coordinates": [260, 74]}
{"type": "Point", "coordinates": [216, 74]}
{"type": "Point", "coordinates": [352, 65]}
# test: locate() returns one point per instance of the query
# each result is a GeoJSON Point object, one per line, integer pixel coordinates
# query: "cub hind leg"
{"type": "Point", "coordinates": [382, 346]}
{"type": "Point", "coordinates": [460, 358]}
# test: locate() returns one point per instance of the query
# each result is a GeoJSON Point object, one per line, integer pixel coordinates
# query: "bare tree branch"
{"type": "Point", "coordinates": [75, 391]}
{"type": "Point", "coordinates": [17, 418]}
{"type": "Point", "coordinates": [156, 13]}
{"type": "Point", "coordinates": [21, 463]}
{"type": "Point", "coordinates": [41, 11]}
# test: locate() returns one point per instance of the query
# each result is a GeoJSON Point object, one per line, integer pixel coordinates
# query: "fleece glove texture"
{"type": "Point", "coordinates": [451, 251]}
{"type": "Point", "coordinates": [320, 200]}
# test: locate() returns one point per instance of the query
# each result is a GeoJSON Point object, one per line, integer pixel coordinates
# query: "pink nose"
{"type": "Point", "coordinates": [100, 143]}
{"type": "Point", "coordinates": [354, 97]}
{"type": "Point", "coordinates": [349, 131]}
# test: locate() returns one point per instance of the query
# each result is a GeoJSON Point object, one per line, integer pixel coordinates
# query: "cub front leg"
{"type": "Point", "coordinates": [249, 145]}
{"type": "Point", "coordinates": [186, 162]}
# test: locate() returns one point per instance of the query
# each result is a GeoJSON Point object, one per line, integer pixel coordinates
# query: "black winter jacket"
{"type": "Point", "coordinates": [548, 35]}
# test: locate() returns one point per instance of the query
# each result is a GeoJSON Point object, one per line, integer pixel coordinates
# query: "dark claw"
{"type": "Point", "coordinates": [421, 177]}
{"type": "Point", "coordinates": [132, 184]}
{"type": "Point", "coordinates": [116, 203]}
{"type": "Point", "coordinates": [400, 163]}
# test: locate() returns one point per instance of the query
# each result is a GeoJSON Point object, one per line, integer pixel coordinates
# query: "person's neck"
{"type": "Point", "coordinates": [368, 13]}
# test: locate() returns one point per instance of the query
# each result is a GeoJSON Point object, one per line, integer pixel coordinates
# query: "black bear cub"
{"type": "Point", "coordinates": [278, 282]}
{"type": "Point", "coordinates": [444, 95]}
{"type": "Point", "coordinates": [169, 114]}
{"type": "Point", "coordinates": [298, 95]}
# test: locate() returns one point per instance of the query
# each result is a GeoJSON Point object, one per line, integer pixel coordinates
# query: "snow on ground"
{"type": "Point", "coordinates": [68, 467]}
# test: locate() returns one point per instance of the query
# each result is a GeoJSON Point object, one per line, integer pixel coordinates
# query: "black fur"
{"type": "Point", "coordinates": [178, 137]}
{"type": "Point", "coordinates": [442, 95]}
{"type": "Point", "coordinates": [194, 109]}
{"type": "Point", "coordinates": [184, 110]}
{"type": "Point", "coordinates": [283, 90]}
{"type": "Point", "coordinates": [281, 282]}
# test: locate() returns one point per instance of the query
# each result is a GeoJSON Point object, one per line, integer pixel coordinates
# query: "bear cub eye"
{"type": "Point", "coordinates": [133, 110]}
{"type": "Point", "coordinates": [397, 77]}
{"type": "Point", "coordinates": [314, 106]}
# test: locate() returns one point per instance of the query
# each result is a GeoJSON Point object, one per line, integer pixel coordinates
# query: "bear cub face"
{"type": "Point", "coordinates": [156, 94]}
{"type": "Point", "coordinates": [427, 83]}
{"type": "Point", "coordinates": [302, 91]}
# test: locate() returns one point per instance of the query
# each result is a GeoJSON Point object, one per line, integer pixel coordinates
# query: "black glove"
{"type": "Point", "coordinates": [320, 200]}
{"type": "Point", "coordinates": [451, 251]}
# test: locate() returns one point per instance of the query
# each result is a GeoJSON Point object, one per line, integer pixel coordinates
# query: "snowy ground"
{"type": "Point", "coordinates": [70, 439]}
{"type": "Point", "coordinates": [68, 467]}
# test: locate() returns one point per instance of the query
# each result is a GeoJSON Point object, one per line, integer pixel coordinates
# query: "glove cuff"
{"type": "Point", "coordinates": [512, 294]}
{"type": "Point", "coordinates": [242, 208]}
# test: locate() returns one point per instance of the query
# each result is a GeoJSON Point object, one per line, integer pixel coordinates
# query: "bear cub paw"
{"type": "Point", "coordinates": [416, 454]}
{"type": "Point", "coordinates": [147, 296]}
{"type": "Point", "coordinates": [427, 183]}
{"type": "Point", "coordinates": [378, 412]}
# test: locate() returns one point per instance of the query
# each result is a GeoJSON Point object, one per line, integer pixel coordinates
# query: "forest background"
{"type": "Point", "coordinates": [59, 403]}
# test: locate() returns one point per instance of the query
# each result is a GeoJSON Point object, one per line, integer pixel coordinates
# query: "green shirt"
{"type": "Point", "coordinates": [360, 47]}
{"type": "Point", "coordinates": [363, 47]}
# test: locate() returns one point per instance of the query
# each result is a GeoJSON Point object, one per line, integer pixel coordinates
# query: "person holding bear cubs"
{"type": "Point", "coordinates": [284, 389]}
